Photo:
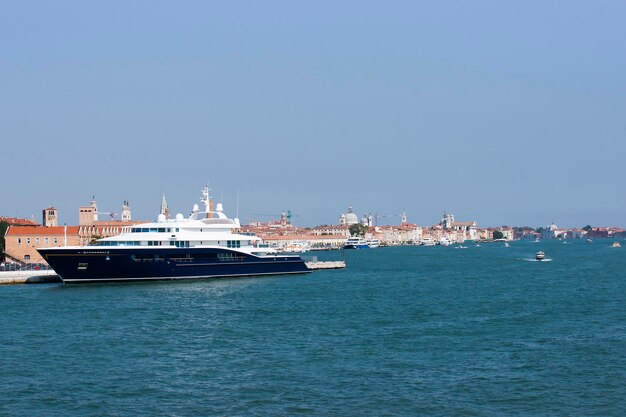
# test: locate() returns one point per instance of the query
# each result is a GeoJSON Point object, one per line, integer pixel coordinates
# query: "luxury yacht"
{"type": "Point", "coordinates": [207, 244]}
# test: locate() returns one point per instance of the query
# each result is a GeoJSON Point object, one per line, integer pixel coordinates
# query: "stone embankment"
{"type": "Point", "coordinates": [29, 277]}
{"type": "Point", "coordinates": [326, 264]}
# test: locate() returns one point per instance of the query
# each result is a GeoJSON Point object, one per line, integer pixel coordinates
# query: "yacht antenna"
{"type": "Point", "coordinates": [205, 198]}
{"type": "Point", "coordinates": [237, 212]}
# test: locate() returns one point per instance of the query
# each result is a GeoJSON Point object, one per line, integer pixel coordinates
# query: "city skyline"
{"type": "Point", "coordinates": [377, 218]}
{"type": "Point", "coordinates": [499, 113]}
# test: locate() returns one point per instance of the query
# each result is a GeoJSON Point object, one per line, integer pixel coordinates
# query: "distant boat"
{"type": "Point", "coordinates": [589, 240]}
{"type": "Point", "coordinates": [540, 256]}
{"type": "Point", "coordinates": [461, 247]}
{"type": "Point", "coordinates": [428, 241]}
{"type": "Point", "coordinates": [506, 245]}
{"type": "Point", "coordinates": [616, 245]}
{"type": "Point", "coordinates": [356, 243]}
{"type": "Point", "coordinates": [537, 240]}
{"type": "Point", "coordinates": [373, 243]}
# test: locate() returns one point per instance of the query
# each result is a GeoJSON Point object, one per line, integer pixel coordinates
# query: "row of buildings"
{"type": "Point", "coordinates": [23, 236]}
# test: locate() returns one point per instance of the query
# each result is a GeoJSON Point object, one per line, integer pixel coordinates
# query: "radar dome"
{"type": "Point", "coordinates": [219, 207]}
{"type": "Point", "coordinates": [161, 218]}
{"type": "Point", "coordinates": [179, 217]}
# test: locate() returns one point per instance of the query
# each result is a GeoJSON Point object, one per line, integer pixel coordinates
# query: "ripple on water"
{"type": "Point", "coordinates": [401, 331]}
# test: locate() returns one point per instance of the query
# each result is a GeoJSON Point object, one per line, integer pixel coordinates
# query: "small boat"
{"type": "Point", "coordinates": [616, 245]}
{"type": "Point", "coordinates": [589, 240]}
{"type": "Point", "coordinates": [506, 245]}
{"type": "Point", "coordinates": [540, 256]}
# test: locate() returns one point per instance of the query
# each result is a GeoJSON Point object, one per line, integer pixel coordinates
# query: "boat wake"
{"type": "Point", "coordinates": [536, 260]}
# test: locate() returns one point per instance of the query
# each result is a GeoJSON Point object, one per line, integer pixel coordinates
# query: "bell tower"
{"type": "Point", "coordinates": [50, 217]}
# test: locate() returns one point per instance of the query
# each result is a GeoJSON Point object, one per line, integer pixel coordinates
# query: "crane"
{"type": "Point", "coordinates": [290, 215]}
{"type": "Point", "coordinates": [378, 216]}
{"type": "Point", "coordinates": [108, 213]}
{"type": "Point", "coordinates": [284, 216]}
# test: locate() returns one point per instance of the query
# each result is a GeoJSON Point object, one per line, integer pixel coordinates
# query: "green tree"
{"type": "Point", "coordinates": [357, 229]}
{"type": "Point", "coordinates": [587, 228]}
{"type": "Point", "coordinates": [498, 235]}
{"type": "Point", "coordinates": [3, 229]}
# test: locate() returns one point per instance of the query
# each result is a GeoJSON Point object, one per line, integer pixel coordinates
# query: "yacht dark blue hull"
{"type": "Point", "coordinates": [89, 265]}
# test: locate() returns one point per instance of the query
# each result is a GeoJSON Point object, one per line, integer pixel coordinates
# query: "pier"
{"type": "Point", "coordinates": [326, 265]}
{"type": "Point", "coordinates": [29, 277]}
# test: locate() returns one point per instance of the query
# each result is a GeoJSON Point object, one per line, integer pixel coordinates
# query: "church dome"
{"type": "Point", "coordinates": [351, 218]}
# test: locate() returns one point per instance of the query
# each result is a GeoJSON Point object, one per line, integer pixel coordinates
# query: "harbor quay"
{"type": "Point", "coordinates": [21, 237]}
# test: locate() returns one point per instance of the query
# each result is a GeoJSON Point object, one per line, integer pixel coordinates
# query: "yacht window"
{"type": "Point", "coordinates": [154, 229]}
{"type": "Point", "coordinates": [161, 229]}
{"type": "Point", "coordinates": [145, 230]}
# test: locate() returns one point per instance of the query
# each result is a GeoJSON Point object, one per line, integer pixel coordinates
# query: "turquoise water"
{"type": "Point", "coordinates": [401, 331]}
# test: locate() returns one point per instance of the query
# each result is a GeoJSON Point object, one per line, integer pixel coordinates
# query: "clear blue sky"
{"type": "Point", "coordinates": [497, 112]}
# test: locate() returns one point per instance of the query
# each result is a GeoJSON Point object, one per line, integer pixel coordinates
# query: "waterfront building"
{"type": "Point", "coordinates": [520, 232]}
{"type": "Point", "coordinates": [100, 229]}
{"type": "Point", "coordinates": [303, 242]}
{"type": "Point", "coordinates": [600, 232]}
{"type": "Point", "coordinates": [469, 230]}
{"type": "Point", "coordinates": [24, 236]}
{"type": "Point", "coordinates": [21, 241]}
{"type": "Point", "coordinates": [342, 230]}
{"type": "Point", "coordinates": [531, 235]}
{"type": "Point", "coordinates": [404, 234]}
{"type": "Point", "coordinates": [550, 232]}
{"type": "Point", "coordinates": [16, 221]}
{"type": "Point", "coordinates": [507, 232]}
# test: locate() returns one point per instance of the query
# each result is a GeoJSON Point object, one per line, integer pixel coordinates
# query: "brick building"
{"type": "Point", "coordinates": [21, 241]}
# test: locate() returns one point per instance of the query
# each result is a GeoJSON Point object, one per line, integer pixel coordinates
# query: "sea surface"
{"type": "Point", "coordinates": [402, 331]}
